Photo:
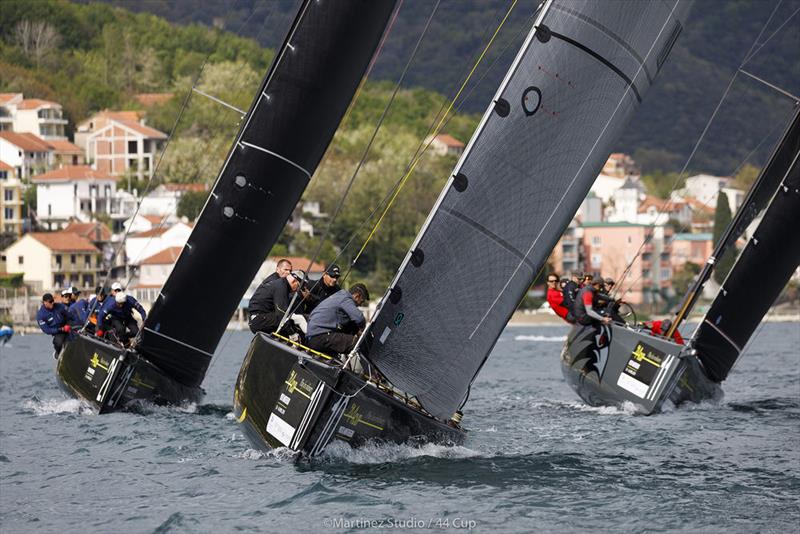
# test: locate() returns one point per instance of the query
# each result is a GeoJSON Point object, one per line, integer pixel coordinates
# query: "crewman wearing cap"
{"type": "Point", "coordinates": [52, 319]}
{"type": "Point", "coordinates": [269, 303]}
{"type": "Point", "coordinates": [115, 287]}
{"type": "Point", "coordinates": [78, 308]}
{"type": "Point", "coordinates": [118, 311]}
{"type": "Point", "coordinates": [323, 288]}
{"type": "Point", "coordinates": [95, 307]}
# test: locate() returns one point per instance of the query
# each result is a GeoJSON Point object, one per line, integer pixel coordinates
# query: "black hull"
{"type": "Point", "coordinates": [111, 378]}
{"type": "Point", "coordinates": [617, 365]}
{"type": "Point", "coordinates": [286, 397]}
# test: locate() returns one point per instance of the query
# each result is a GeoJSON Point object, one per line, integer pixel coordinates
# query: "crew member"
{"type": "Point", "coordinates": [118, 312]}
{"type": "Point", "coordinates": [95, 306]}
{"type": "Point", "coordinates": [583, 309]}
{"type": "Point", "coordinates": [78, 308]}
{"type": "Point", "coordinates": [323, 288]}
{"type": "Point", "coordinates": [660, 328]}
{"type": "Point", "coordinates": [334, 325]}
{"type": "Point", "coordinates": [283, 268]}
{"type": "Point", "coordinates": [570, 289]}
{"type": "Point", "coordinates": [52, 319]}
{"type": "Point", "coordinates": [603, 301]}
{"type": "Point", "coordinates": [269, 303]}
{"type": "Point", "coordinates": [556, 298]}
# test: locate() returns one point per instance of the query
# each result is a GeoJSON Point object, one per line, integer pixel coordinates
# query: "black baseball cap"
{"type": "Point", "coordinates": [333, 271]}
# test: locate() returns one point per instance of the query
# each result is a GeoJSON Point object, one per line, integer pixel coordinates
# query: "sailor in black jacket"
{"type": "Point", "coordinates": [322, 288]}
{"type": "Point", "coordinates": [270, 301]}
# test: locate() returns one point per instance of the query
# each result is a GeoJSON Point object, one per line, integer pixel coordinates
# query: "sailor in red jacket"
{"type": "Point", "coordinates": [555, 298]}
{"type": "Point", "coordinates": [660, 328]}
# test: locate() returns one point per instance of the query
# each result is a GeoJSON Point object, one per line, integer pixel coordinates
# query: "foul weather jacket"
{"type": "Point", "coordinates": [51, 321]}
{"type": "Point", "coordinates": [338, 312]}
{"type": "Point", "coordinates": [79, 311]}
{"type": "Point", "coordinates": [555, 299]}
{"type": "Point", "coordinates": [123, 313]}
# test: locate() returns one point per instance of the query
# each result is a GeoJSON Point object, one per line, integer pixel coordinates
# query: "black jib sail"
{"type": "Point", "coordinates": [283, 138]}
{"type": "Point", "coordinates": [763, 268]}
{"type": "Point", "coordinates": [578, 77]}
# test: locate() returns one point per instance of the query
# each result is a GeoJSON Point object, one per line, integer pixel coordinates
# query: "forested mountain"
{"type": "Point", "coordinates": [715, 41]}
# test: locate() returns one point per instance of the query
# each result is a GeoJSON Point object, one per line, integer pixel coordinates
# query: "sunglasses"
{"type": "Point", "coordinates": [552, 281]}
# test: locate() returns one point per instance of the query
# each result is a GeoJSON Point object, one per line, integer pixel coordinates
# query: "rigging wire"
{"type": "Point", "coordinates": [326, 233]}
{"type": "Point", "coordinates": [680, 175]}
{"type": "Point", "coordinates": [436, 131]}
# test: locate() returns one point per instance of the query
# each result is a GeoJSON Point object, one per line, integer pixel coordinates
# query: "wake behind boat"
{"type": "Point", "coordinates": [580, 74]}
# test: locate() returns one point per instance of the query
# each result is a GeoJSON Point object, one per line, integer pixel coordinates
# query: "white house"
{"type": "Point", "coordinates": [28, 154]}
{"type": "Point", "coordinates": [153, 272]}
{"type": "Point", "coordinates": [163, 200]}
{"type": "Point", "coordinates": [39, 117]}
{"type": "Point", "coordinates": [11, 196]}
{"type": "Point", "coordinates": [74, 192]}
{"type": "Point", "coordinates": [145, 244]}
{"type": "Point", "coordinates": [445, 144]}
{"type": "Point", "coordinates": [53, 260]}
{"type": "Point", "coordinates": [144, 223]}
{"type": "Point", "coordinates": [605, 185]}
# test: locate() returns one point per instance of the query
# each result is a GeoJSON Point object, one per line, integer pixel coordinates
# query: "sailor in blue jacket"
{"type": "Point", "coordinates": [52, 319]}
{"type": "Point", "coordinates": [118, 310]}
{"type": "Point", "coordinates": [334, 324]}
{"type": "Point", "coordinates": [78, 308]}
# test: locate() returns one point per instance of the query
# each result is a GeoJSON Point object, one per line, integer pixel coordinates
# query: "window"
{"type": "Point", "coordinates": [58, 280]}
{"type": "Point", "coordinates": [73, 259]}
{"type": "Point", "coordinates": [665, 274]}
{"type": "Point", "coordinates": [75, 190]}
{"type": "Point", "coordinates": [9, 195]}
{"type": "Point", "coordinates": [596, 241]}
{"type": "Point", "coordinates": [3, 175]}
{"type": "Point", "coordinates": [107, 190]}
{"type": "Point", "coordinates": [87, 259]}
{"type": "Point", "coordinates": [133, 147]}
{"type": "Point", "coordinates": [58, 261]}
{"type": "Point", "coordinates": [88, 280]}
{"type": "Point", "coordinates": [630, 239]}
{"type": "Point", "coordinates": [9, 213]}
{"type": "Point", "coordinates": [21, 260]}
{"type": "Point", "coordinates": [133, 164]}
{"type": "Point", "coordinates": [49, 210]}
{"type": "Point", "coordinates": [597, 259]}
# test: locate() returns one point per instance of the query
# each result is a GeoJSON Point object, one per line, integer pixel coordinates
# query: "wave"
{"type": "Point", "coordinates": [58, 406]}
{"type": "Point", "coordinates": [558, 339]}
{"type": "Point", "coordinates": [381, 453]}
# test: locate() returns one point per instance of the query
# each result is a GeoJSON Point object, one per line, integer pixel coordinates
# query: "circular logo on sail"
{"type": "Point", "coordinates": [531, 100]}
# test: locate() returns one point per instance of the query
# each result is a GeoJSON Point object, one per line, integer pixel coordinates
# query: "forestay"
{"type": "Point", "coordinates": [578, 77]}
{"type": "Point", "coordinates": [765, 265]}
{"type": "Point", "coordinates": [283, 138]}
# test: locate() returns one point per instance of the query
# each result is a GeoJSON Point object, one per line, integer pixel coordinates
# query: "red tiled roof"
{"type": "Point", "coordinates": [150, 133]}
{"type": "Point", "coordinates": [5, 97]}
{"type": "Point", "coordinates": [64, 147]}
{"type": "Point", "coordinates": [298, 262]}
{"type": "Point", "coordinates": [5, 166]}
{"type": "Point", "coordinates": [71, 173]}
{"type": "Point", "coordinates": [449, 140]}
{"type": "Point", "coordinates": [697, 205]}
{"type": "Point", "coordinates": [64, 241]}
{"type": "Point", "coordinates": [168, 256]}
{"type": "Point", "coordinates": [89, 230]}
{"type": "Point", "coordinates": [153, 232]}
{"type": "Point", "coordinates": [152, 99]}
{"type": "Point", "coordinates": [660, 204]}
{"type": "Point", "coordinates": [185, 187]}
{"type": "Point", "coordinates": [153, 219]}
{"type": "Point", "coordinates": [26, 141]}
{"type": "Point", "coordinates": [35, 103]}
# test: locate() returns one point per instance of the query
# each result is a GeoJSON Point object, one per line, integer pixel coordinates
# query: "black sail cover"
{"type": "Point", "coordinates": [576, 81]}
{"type": "Point", "coordinates": [762, 270]}
{"type": "Point", "coordinates": [289, 125]}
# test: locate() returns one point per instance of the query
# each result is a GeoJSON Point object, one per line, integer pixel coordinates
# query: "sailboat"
{"type": "Point", "coordinates": [582, 70]}
{"type": "Point", "coordinates": [619, 363]}
{"type": "Point", "coordinates": [283, 136]}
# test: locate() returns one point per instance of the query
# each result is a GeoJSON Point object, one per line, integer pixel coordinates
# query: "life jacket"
{"type": "Point", "coordinates": [570, 291]}
{"type": "Point", "coordinates": [578, 307]}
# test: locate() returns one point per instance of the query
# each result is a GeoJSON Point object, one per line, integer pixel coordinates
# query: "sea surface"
{"type": "Point", "coordinates": [536, 459]}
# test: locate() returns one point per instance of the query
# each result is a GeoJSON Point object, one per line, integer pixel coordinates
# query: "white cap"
{"type": "Point", "coordinates": [116, 286]}
{"type": "Point", "coordinates": [66, 292]}
{"type": "Point", "coordinates": [120, 297]}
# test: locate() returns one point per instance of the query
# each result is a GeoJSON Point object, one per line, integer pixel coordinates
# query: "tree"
{"type": "Point", "coordinates": [722, 218]}
{"type": "Point", "coordinates": [683, 277]}
{"type": "Point", "coordinates": [191, 203]}
{"type": "Point", "coordinates": [746, 176]}
{"type": "Point", "coordinates": [36, 39]}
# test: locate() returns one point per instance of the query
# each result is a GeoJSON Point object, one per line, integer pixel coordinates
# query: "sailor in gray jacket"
{"type": "Point", "coordinates": [334, 324]}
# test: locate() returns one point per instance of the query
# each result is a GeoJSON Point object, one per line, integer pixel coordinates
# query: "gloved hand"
{"type": "Point", "coordinates": [66, 328]}
{"type": "Point", "coordinates": [99, 333]}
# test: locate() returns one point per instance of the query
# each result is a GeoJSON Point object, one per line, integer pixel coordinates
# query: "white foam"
{"type": "Point", "coordinates": [627, 408]}
{"type": "Point", "coordinates": [372, 453]}
{"type": "Point", "coordinates": [57, 406]}
{"type": "Point", "coordinates": [541, 338]}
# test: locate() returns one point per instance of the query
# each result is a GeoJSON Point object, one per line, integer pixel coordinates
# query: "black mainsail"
{"type": "Point", "coordinates": [765, 265]}
{"type": "Point", "coordinates": [581, 72]}
{"type": "Point", "coordinates": [282, 140]}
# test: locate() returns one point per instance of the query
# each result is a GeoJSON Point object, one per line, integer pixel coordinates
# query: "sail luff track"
{"type": "Point", "coordinates": [531, 162]}
{"type": "Point", "coordinates": [298, 107]}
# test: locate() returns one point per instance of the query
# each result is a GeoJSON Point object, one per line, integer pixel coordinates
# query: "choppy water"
{"type": "Point", "coordinates": [536, 459]}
